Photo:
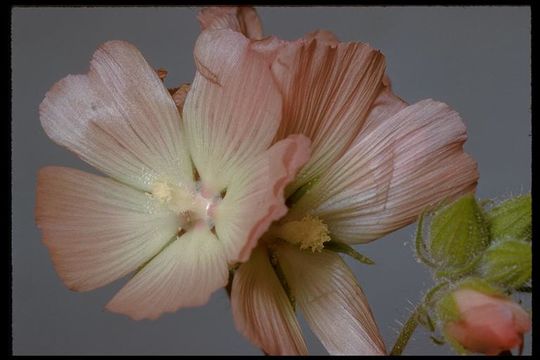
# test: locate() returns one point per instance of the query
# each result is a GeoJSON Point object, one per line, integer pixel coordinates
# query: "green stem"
{"type": "Point", "coordinates": [406, 332]}
{"type": "Point", "coordinates": [412, 323]}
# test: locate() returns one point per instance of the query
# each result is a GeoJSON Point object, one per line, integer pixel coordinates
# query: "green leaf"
{"type": "Point", "coordinates": [340, 247]}
{"type": "Point", "coordinates": [458, 232]}
{"type": "Point", "coordinates": [507, 263]}
{"type": "Point", "coordinates": [512, 219]}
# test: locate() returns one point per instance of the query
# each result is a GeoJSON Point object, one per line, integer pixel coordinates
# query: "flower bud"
{"type": "Point", "coordinates": [482, 321]}
{"type": "Point", "coordinates": [512, 219]}
{"type": "Point", "coordinates": [507, 263]}
{"type": "Point", "coordinates": [458, 232]}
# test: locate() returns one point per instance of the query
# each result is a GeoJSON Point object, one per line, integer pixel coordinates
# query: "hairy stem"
{"type": "Point", "coordinates": [406, 332]}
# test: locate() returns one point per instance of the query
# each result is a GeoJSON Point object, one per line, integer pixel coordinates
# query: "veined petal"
{"type": "Point", "coordinates": [261, 309]}
{"type": "Point", "coordinates": [255, 197]}
{"type": "Point", "coordinates": [328, 89]}
{"type": "Point", "coordinates": [233, 108]}
{"type": "Point", "coordinates": [396, 169]}
{"type": "Point", "coordinates": [243, 19]}
{"type": "Point", "coordinates": [119, 118]}
{"type": "Point", "coordinates": [331, 300]}
{"type": "Point", "coordinates": [184, 274]}
{"type": "Point", "coordinates": [96, 229]}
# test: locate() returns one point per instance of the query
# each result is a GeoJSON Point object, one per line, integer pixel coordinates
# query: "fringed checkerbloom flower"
{"type": "Point", "coordinates": [188, 194]}
{"type": "Point", "coordinates": [376, 163]}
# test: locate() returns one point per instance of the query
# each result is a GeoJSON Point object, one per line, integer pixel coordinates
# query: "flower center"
{"type": "Point", "coordinates": [309, 233]}
{"type": "Point", "coordinates": [194, 207]}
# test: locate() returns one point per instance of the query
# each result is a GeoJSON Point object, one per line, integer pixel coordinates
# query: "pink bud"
{"type": "Point", "coordinates": [487, 324]}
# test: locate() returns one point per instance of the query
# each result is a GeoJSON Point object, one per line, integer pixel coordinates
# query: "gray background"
{"type": "Point", "coordinates": [477, 59]}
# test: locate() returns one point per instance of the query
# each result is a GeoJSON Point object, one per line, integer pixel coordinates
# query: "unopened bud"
{"type": "Point", "coordinates": [476, 318]}
{"type": "Point", "coordinates": [512, 219]}
{"type": "Point", "coordinates": [507, 263]}
{"type": "Point", "coordinates": [458, 232]}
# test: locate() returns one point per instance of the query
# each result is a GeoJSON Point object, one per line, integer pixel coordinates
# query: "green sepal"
{"type": "Point", "coordinates": [300, 192]}
{"type": "Point", "coordinates": [343, 248]}
{"type": "Point", "coordinates": [507, 263]}
{"type": "Point", "coordinates": [436, 340]}
{"type": "Point", "coordinates": [512, 219]}
{"type": "Point", "coordinates": [282, 278]}
{"type": "Point", "coordinates": [422, 252]}
{"type": "Point", "coordinates": [458, 232]}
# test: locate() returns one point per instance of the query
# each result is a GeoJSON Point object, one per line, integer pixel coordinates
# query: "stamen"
{"type": "Point", "coordinates": [191, 205]}
{"type": "Point", "coordinates": [310, 233]}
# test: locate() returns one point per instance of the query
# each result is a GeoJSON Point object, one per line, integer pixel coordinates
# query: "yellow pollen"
{"type": "Point", "coordinates": [310, 233]}
{"type": "Point", "coordinates": [162, 191]}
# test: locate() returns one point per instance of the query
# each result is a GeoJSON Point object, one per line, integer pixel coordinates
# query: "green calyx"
{"type": "Point", "coordinates": [458, 233]}
{"type": "Point", "coordinates": [507, 263]}
{"type": "Point", "coordinates": [512, 219]}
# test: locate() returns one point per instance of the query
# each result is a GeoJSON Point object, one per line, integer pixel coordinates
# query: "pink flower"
{"type": "Point", "coordinates": [487, 324]}
{"type": "Point", "coordinates": [188, 195]}
{"type": "Point", "coordinates": [376, 163]}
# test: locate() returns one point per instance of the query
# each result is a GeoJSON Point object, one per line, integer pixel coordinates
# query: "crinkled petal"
{"type": "Point", "coordinates": [185, 273]}
{"type": "Point", "coordinates": [396, 169]}
{"type": "Point", "coordinates": [96, 229]}
{"type": "Point", "coordinates": [323, 36]}
{"type": "Point", "coordinates": [233, 108]}
{"type": "Point", "coordinates": [328, 89]}
{"type": "Point", "coordinates": [243, 19]}
{"type": "Point", "coordinates": [255, 199]}
{"type": "Point", "coordinates": [179, 95]}
{"type": "Point", "coordinates": [331, 300]}
{"type": "Point", "coordinates": [261, 309]}
{"type": "Point", "coordinates": [119, 118]}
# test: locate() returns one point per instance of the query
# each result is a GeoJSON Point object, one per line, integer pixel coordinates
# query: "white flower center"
{"type": "Point", "coordinates": [309, 233]}
{"type": "Point", "coordinates": [191, 205]}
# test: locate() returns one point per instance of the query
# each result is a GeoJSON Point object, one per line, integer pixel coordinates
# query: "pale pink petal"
{"type": "Point", "coordinates": [328, 89]}
{"type": "Point", "coordinates": [233, 108]}
{"type": "Point", "coordinates": [96, 229]}
{"type": "Point", "coordinates": [119, 118]}
{"type": "Point", "coordinates": [261, 309]}
{"type": "Point", "coordinates": [396, 169]}
{"type": "Point", "coordinates": [331, 300]}
{"type": "Point", "coordinates": [243, 19]}
{"type": "Point", "coordinates": [185, 273]}
{"type": "Point", "coordinates": [255, 199]}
